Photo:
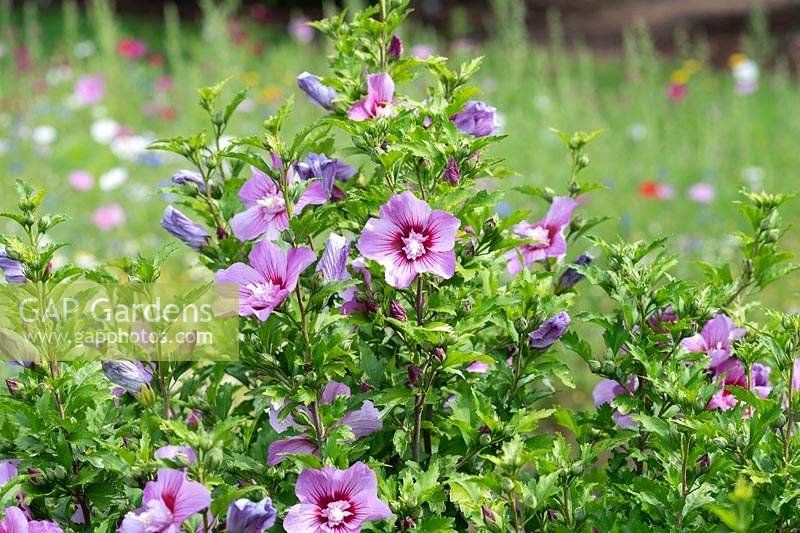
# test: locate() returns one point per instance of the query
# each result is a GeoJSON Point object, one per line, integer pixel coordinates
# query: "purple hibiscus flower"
{"type": "Point", "coordinates": [714, 340]}
{"type": "Point", "coordinates": [607, 390]}
{"type": "Point", "coordinates": [362, 422]}
{"type": "Point", "coordinates": [316, 91]}
{"type": "Point", "coordinates": [379, 101]}
{"type": "Point", "coordinates": [15, 521]}
{"type": "Point", "coordinates": [12, 269]}
{"type": "Point", "coordinates": [183, 228]}
{"type": "Point", "coordinates": [409, 239]}
{"type": "Point", "coordinates": [266, 212]}
{"type": "Point", "coordinates": [166, 504]}
{"type": "Point", "coordinates": [333, 500]}
{"type": "Point", "coordinates": [263, 286]}
{"type": "Point", "coordinates": [176, 454]}
{"type": "Point", "coordinates": [550, 331]}
{"type": "Point", "coordinates": [477, 118]}
{"type": "Point", "coordinates": [547, 236]}
{"type": "Point", "coordinates": [245, 516]}
{"type": "Point", "coordinates": [326, 171]}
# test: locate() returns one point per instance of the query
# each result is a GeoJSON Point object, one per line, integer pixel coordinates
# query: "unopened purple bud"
{"type": "Point", "coordinates": [452, 174]}
{"type": "Point", "coordinates": [189, 177]}
{"type": "Point", "coordinates": [185, 229]}
{"type": "Point", "coordinates": [484, 430]}
{"type": "Point", "coordinates": [488, 514]}
{"type": "Point", "coordinates": [194, 418]}
{"type": "Point", "coordinates": [414, 375]}
{"type": "Point", "coordinates": [478, 119]}
{"type": "Point", "coordinates": [396, 47]}
{"type": "Point", "coordinates": [222, 234]}
{"type": "Point", "coordinates": [317, 92]}
{"type": "Point", "coordinates": [363, 386]}
{"type": "Point", "coordinates": [126, 374]}
{"type": "Point", "coordinates": [570, 276]}
{"type": "Point", "coordinates": [12, 385]}
{"type": "Point", "coordinates": [397, 312]}
{"type": "Point", "coordinates": [549, 332]}
{"type": "Point", "coordinates": [245, 516]}
{"type": "Point", "coordinates": [439, 353]}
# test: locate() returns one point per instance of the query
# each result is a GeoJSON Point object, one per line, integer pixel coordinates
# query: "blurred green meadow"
{"type": "Point", "coordinates": [83, 92]}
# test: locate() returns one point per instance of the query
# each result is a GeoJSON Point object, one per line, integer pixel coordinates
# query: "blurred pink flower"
{"type": "Point", "coordinates": [164, 84]}
{"type": "Point", "coordinates": [702, 193]}
{"type": "Point", "coordinates": [422, 51]}
{"type": "Point", "coordinates": [131, 48]}
{"type": "Point", "coordinates": [89, 89]}
{"type": "Point", "coordinates": [108, 217]}
{"type": "Point", "coordinates": [81, 180]}
{"type": "Point", "coordinates": [300, 30]}
{"type": "Point", "coordinates": [677, 92]}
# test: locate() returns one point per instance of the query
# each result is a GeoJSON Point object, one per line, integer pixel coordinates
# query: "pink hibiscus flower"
{"type": "Point", "coordinates": [379, 100]}
{"type": "Point", "coordinates": [409, 239]}
{"type": "Point", "coordinates": [547, 236]}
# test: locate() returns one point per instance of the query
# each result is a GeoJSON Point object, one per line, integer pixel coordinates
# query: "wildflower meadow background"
{"type": "Point", "coordinates": [482, 285]}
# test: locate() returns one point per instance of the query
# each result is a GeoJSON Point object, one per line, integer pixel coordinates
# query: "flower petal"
{"type": "Point", "coordinates": [270, 261]}
{"type": "Point", "coordinates": [257, 187]}
{"type": "Point", "coordinates": [407, 212]}
{"type": "Point", "coordinates": [297, 261]}
{"type": "Point", "coordinates": [442, 264]}
{"type": "Point", "coordinates": [380, 87]}
{"type": "Point", "coordinates": [560, 211]}
{"type": "Point", "coordinates": [302, 518]}
{"type": "Point", "coordinates": [605, 391]}
{"type": "Point", "coordinates": [363, 422]}
{"type": "Point", "coordinates": [441, 231]}
{"type": "Point", "coordinates": [300, 444]}
{"type": "Point", "coordinates": [250, 223]}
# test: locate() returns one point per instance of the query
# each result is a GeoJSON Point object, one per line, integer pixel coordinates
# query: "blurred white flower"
{"type": "Point", "coordinates": [58, 75]}
{"type": "Point", "coordinates": [84, 49]}
{"type": "Point", "coordinates": [754, 176]}
{"type": "Point", "coordinates": [105, 130]}
{"type": "Point", "coordinates": [4, 146]}
{"type": "Point", "coordinates": [113, 178]}
{"type": "Point", "coordinates": [745, 72]}
{"type": "Point", "coordinates": [130, 147]}
{"type": "Point", "coordinates": [637, 132]}
{"type": "Point", "coordinates": [542, 102]}
{"type": "Point", "coordinates": [85, 260]}
{"type": "Point", "coordinates": [44, 135]}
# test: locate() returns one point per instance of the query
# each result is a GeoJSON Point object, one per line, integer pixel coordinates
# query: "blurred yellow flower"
{"type": "Point", "coordinates": [250, 77]}
{"type": "Point", "coordinates": [735, 59]}
{"type": "Point", "coordinates": [269, 93]}
{"type": "Point", "coordinates": [691, 66]}
{"type": "Point", "coordinates": [679, 77]}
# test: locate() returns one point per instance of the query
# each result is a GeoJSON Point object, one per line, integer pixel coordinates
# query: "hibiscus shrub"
{"type": "Point", "coordinates": [401, 344]}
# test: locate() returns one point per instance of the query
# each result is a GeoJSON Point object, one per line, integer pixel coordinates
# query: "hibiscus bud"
{"type": "Point", "coordinates": [703, 462]}
{"type": "Point", "coordinates": [552, 514]}
{"type": "Point", "coordinates": [245, 516]}
{"type": "Point", "coordinates": [363, 386]}
{"type": "Point", "coordinates": [452, 174]}
{"type": "Point", "coordinates": [185, 229]}
{"type": "Point", "coordinates": [126, 374]}
{"type": "Point", "coordinates": [594, 366]}
{"type": "Point", "coordinates": [395, 47]}
{"type": "Point", "coordinates": [570, 277]}
{"type": "Point", "coordinates": [549, 332]}
{"type": "Point", "coordinates": [439, 353]}
{"type": "Point", "coordinates": [488, 515]}
{"type": "Point", "coordinates": [317, 92]}
{"type": "Point", "coordinates": [12, 385]}
{"type": "Point", "coordinates": [397, 312]}
{"type": "Point", "coordinates": [579, 514]}
{"type": "Point", "coordinates": [146, 397]}
{"type": "Point", "coordinates": [222, 233]}
{"type": "Point", "coordinates": [190, 178]}
{"type": "Point", "coordinates": [194, 418]}
{"type": "Point", "coordinates": [414, 375]}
